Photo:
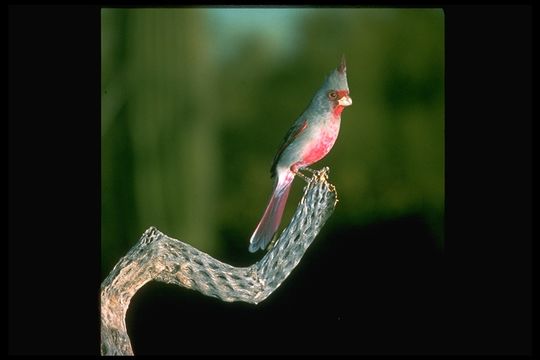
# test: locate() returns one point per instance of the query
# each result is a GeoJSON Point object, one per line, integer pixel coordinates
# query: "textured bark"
{"type": "Point", "coordinates": [159, 257]}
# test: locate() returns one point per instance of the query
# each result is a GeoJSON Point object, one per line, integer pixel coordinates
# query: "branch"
{"type": "Point", "coordinates": [159, 257]}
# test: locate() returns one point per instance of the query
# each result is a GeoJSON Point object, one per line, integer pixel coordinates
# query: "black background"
{"type": "Point", "coordinates": [371, 290]}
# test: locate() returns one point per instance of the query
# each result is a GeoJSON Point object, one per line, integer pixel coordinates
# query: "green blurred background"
{"type": "Point", "coordinates": [196, 101]}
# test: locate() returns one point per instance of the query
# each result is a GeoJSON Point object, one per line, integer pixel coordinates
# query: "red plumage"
{"type": "Point", "coordinates": [309, 139]}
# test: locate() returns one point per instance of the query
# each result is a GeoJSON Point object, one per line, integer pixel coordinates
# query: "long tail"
{"type": "Point", "coordinates": [269, 224]}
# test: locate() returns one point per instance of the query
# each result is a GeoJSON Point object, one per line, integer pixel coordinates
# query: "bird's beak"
{"type": "Point", "coordinates": [345, 101]}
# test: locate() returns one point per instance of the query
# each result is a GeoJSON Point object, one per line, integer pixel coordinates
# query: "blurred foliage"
{"type": "Point", "coordinates": [187, 137]}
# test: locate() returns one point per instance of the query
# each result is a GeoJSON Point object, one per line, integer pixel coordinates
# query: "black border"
{"type": "Point", "coordinates": [54, 180]}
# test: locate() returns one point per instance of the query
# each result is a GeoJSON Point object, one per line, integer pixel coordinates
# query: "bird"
{"type": "Point", "coordinates": [308, 140]}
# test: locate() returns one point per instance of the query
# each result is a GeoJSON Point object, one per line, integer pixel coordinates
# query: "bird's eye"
{"type": "Point", "coordinates": [332, 95]}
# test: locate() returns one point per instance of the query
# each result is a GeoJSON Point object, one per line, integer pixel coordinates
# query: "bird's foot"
{"type": "Point", "coordinates": [296, 171]}
{"type": "Point", "coordinates": [304, 177]}
{"type": "Point", "coordinates": [310, 170]}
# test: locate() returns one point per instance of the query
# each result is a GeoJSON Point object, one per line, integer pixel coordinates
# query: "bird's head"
{"type": "Point", "coordinates": [334, 94]}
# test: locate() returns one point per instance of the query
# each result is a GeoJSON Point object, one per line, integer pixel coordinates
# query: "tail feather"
{"type": "Point", "coordinates": [269, 224]}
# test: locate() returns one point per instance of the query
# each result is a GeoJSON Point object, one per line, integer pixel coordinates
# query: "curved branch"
{"type": "Point", "coordinates": [159, 257]}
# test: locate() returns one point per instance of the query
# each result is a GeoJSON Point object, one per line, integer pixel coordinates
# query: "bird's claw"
{"type": "Point", "coordinates": [310, 170]}
{"type": "Point", "coordinates": [304, 177]}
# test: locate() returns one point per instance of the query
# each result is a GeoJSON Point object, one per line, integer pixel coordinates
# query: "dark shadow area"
{"type": "Point", "coordinates": [358, 290]}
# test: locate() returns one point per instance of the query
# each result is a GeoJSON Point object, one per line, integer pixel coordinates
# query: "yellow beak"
{"type": "Point", "coordinates": [345, 101]}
